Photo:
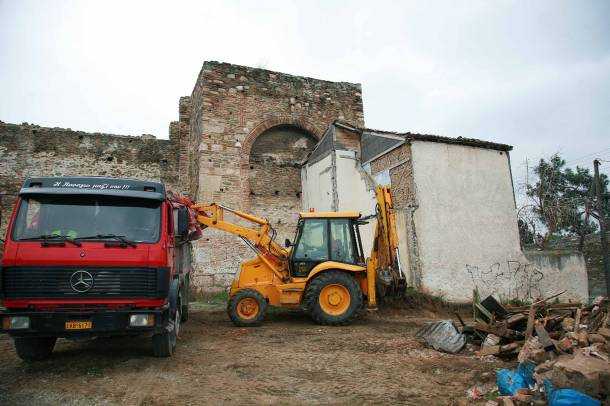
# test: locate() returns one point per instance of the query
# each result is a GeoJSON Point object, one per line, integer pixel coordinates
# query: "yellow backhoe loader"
{"type": "Point", "coordinates": [324, 271]}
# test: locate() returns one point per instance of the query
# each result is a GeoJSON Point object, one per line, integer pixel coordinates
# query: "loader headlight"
{"type": "Point", "coordinates": [142, 320]}
{"type": "Point", "coordinates": [16, 323]}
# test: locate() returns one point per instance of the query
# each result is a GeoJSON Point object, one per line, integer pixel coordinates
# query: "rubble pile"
{"type": "Point", "coordinates": [565, 345]}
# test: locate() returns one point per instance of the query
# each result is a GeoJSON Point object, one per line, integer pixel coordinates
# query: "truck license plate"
{"type": "Point", "coordinates": [78, 325]}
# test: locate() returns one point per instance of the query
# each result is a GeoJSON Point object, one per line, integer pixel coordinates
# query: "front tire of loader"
{"type": "Point", "coordinates": [334, 298]}
{"type": "Point", "coordinates": [247, 308]}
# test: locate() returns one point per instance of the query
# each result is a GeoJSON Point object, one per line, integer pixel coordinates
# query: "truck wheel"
{"type": "Point", "coordinates": [334, 298]}
{"type": "Point", "coordinates": [184, 316]}
{"type": "Point", "coordinates": [247, 308]}
{"type": "Point", "coordinates": [185, 299]}
{"type": "Point", "coordinates": [164, 344]}
{"type": "Point", "coordinates": [34, 348]}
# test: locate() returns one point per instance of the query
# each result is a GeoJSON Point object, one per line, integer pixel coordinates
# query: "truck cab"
{"type": "Point", "coordinates": [95, 256]}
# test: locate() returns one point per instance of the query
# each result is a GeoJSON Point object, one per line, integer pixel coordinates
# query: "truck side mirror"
{"type": "Point", "coordinates": [183, 223]}
{"type": "Point", "coordinates": [287, 243]}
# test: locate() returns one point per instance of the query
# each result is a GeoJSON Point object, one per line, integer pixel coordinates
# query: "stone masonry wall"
{"type": "Point", "coordinates": [30, 150]}
{"type": "Point", "coordinates": [231, 106]}
{"type": "Point", "coordinates": [275, 177]}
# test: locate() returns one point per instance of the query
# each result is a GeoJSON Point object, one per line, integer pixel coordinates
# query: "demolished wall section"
{"type": "Point", "coordinates": [396, 168]}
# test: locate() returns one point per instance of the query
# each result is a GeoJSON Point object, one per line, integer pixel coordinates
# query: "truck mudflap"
{"type": "Point", "coordinates": [85, 324]}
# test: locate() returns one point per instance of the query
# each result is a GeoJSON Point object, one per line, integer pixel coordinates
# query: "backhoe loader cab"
{"type": "Point", "coordinates": [322, 237]}
{"type": "Point", "coordinates": [325, 271]}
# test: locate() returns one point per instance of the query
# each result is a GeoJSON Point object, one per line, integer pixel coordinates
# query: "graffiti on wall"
{"type": "Point", "coordinates": [510, 280]}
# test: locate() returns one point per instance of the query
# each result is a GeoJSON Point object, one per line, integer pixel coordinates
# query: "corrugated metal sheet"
{"type": "Point", "coordinates": [442, 335]}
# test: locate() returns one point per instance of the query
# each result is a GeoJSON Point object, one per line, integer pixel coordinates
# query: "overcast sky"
{"type": "Point", "coordinates": [535, 74]}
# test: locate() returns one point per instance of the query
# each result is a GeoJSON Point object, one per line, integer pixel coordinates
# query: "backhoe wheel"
{"type": "Point", "coordinates": [34, 348]}
{"type": "Point", "coordinates": [334, 298]}
{"type": "Point", "coordinates": [247, 308]}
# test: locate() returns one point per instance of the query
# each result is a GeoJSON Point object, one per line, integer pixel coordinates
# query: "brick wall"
{"type": "Point", "coordinates": [349, 140]}
{"type": "Point", "coordinates": [231, 107]}
{"type": "Point", "coordinates": [398, 161]}
{"type": "Point", "coordinates": [30, 150]}
{"type": "Point", "coordinates": [275, 177]}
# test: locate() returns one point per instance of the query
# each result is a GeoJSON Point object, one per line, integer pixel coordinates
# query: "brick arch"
{"type": "Point", "coordinates": [271, 122]}
{"type": "Point", "coordinates": [261, 128]}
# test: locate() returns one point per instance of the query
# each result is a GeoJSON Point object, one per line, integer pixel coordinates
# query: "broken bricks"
{"type": "Point", "coordinates": [541, 331]}
{"type": "Point", "coordinates": [569, 343]}
{"type": "Point", "coordinates": [584, 373]}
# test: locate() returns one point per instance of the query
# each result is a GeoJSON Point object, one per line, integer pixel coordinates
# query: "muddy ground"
{"type": "Point", "coordinates": [288, 360]}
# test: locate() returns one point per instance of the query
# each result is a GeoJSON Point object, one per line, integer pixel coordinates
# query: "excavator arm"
{"type": "Point", "coordinates": [384, 273]}
{"type": "Point", "coordinates": [260, 239]}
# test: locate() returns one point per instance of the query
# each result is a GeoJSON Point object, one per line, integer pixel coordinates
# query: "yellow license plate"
{"type": "Point", "coordinates": [78, 325]}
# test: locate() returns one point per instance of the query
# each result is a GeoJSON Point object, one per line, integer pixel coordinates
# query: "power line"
{"type": "Point", "coordinates": [588, 156]}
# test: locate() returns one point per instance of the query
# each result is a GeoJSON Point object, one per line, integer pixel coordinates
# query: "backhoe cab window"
{"type": "Point", "coordinates": [138, 220]}
{"type": "Point", "coordinates": [341, 243]}
{"type": "Point", "coordinates": [313, 242]}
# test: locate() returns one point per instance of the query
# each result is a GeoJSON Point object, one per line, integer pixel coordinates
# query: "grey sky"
{"type": "Point", "coordinates": [535, 75]}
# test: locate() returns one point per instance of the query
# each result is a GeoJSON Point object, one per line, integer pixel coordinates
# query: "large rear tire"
{"type": "Point", "coordinates": [334, 298]}
{"type": "Point", "coordinates": [247, 308]}
{"type": "Point", "coordinates": [34, 348]}
{"type": "Point", "coordinates": [164, 344]}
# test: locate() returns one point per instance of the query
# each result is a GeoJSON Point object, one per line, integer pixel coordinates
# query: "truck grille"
{"type": "Point", "coordinates": [107, 283]}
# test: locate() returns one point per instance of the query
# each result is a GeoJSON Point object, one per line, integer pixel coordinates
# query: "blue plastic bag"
{"type": "Point", "coordinates": [510, 381]}
{"type": "Point", "coordinates": [567, 397]}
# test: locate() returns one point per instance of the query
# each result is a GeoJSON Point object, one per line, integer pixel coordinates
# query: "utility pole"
{"type": "Point", "coordinates": [602, 225]}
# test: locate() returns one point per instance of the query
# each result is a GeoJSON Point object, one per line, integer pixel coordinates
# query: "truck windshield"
{"type": "Point", "coordinates": [138, 220]}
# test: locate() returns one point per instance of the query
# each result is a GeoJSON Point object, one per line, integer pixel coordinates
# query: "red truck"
{"type": "Point", "coordinates": [87, 257]}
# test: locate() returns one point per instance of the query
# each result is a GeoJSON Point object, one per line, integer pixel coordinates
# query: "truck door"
{"type": "Point", "coordinates": [171, 241]}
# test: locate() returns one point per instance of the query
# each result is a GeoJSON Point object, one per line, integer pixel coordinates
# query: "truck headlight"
{"type": "Point", "coordinates": [16, 323]}
{"type": "Point", "coordinates": [142, 320]}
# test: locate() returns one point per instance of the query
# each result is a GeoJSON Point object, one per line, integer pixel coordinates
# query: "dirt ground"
{"type": "Point", "coordinates": [288, 360]}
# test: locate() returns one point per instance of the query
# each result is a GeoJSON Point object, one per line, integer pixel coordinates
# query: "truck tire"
{"type": "Point", "coordinates": [185, 300]}
{"type": "Point", "coordinates": [184, 316]}
{"type": "Point", "coordinates": [34, 348]}
{"type": "Point", "coordinates": [164, 344]}
{"type": "Point", "coordinates": [247, 308]}
{"type": "Point", "coordinates": [334, 298]}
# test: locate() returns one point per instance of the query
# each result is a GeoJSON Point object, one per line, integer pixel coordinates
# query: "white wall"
{"type": "Point", "coordinates": [356, 193]}
{"type": "Point", "coordinates": [353, 191]}
{"type": "Point", "coordinates": [466, 226]}
{"type": "Point", "coordinates": [558, 271]}
{"type": "Point", "coordinates": [317, 185]}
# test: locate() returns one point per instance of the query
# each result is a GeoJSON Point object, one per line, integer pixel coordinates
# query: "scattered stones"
{"type": "Point", "coordinates": [569, 343]}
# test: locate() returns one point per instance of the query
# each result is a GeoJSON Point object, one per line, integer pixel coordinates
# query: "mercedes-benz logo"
{"type": "Point", "coordinates": [81, 281]}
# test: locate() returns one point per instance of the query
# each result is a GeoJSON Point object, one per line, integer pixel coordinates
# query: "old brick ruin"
{"type": "Point", "coordinates": [241, 138]}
